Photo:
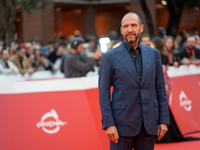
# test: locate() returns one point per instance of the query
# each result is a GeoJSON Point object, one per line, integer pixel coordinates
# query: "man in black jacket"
{"type": "Point", "coordinates": [191, 53]}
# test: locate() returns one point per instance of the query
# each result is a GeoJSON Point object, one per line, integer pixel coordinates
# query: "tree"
{"type": "Point", "coordinates": [148, 17]}
{"type": "Point", "coordinates": [143, 9]}
{"type": "Point", "coordinates": [8, 10]}
{"type": "Point", "coordinates": [175, 8]}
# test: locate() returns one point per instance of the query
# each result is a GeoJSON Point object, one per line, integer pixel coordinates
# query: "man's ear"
{"type": "Point", "coordinates": [121, 30]}
{"type": "Point", "coordinates": [141, 28]}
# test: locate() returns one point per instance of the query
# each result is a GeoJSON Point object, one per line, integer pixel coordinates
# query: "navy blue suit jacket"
{"type": "Point", "coordinates": [132, 101]}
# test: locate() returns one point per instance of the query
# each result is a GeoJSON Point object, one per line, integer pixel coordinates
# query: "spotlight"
{"type": "Point", "coordinates": [163, 2]}
{"type": "Point", "coordinates": [103, 42]}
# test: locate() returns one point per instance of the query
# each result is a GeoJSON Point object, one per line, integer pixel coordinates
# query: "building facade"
{"type": "Point", "coordinates": [94, 18]}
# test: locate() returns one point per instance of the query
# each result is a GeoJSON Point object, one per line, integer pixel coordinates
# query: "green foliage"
{"type": "Point", "coordinates": [31, 5]}
{"type": "Point", "coordinates": [8, 10]}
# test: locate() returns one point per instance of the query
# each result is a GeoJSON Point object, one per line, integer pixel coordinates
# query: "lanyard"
{"type": "Point", "coordinates": [193, 54]}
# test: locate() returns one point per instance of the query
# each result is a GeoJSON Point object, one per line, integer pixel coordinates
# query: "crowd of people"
{"type": "Point", "coordinates": [75, 57]}
{"type": "Point", "coordinates": [175, 52]}
{"type": "Point", "coordinates": [33, 56]}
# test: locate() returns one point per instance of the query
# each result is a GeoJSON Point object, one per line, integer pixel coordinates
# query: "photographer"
{"type": "Point", "coordinates": [73, 65]}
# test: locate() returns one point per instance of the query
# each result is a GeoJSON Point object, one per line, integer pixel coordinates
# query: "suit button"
{"type": "Point", "coordinates": [139, 103]}
{"type": "Point", "coordinates": [140, 88]}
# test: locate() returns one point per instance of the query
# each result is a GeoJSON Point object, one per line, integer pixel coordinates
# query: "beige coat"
{"type": "Point", "coordinates": [26, 64]}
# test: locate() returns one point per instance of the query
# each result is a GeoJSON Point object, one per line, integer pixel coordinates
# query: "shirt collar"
{"type": "Point", "coordinates": [128, 47]}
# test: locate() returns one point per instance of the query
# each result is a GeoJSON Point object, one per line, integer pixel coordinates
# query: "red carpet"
{"type": "Point", "coordinates": [188, 145]}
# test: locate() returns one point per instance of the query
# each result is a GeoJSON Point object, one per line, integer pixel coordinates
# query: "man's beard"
{"type": "Point", "coordinates": [131, 40]}
{"type": "Point", "coordinates": [5, 59]}
{"type": "Point", "coordinates": [190, 48]}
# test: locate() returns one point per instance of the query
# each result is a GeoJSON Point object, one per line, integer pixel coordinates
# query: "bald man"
{"type": "Point", "coordinates": [138, 110]}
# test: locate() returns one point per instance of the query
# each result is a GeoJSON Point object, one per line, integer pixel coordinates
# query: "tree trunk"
{"type": "Point", "coordinates": [148, 17]}
{"type": "Point", "coordinates": [174, 17]}
{"type": "Point", "coordinates": [8, 10]}
{"type": "Point", "coordinates": [10, 34]}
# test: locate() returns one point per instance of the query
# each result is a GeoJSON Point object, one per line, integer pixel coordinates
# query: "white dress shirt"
{"type": "Point", "coordinates": [11, 70]}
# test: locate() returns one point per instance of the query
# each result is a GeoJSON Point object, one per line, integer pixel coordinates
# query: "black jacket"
{"type": "Point", "coordinates": [183, 53]}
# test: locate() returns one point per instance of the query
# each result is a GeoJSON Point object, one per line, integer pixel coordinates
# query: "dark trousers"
{"type": "Point", "coordinates": [143, 141]}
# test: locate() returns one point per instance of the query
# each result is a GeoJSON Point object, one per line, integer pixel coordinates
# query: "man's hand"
{"type": "Point", "coordinates": [162, 129]}
{"type": "Point", "coordinates": [196, 62]}
{"type": "Point", "coordinates": [185, 61]}
{"type": "Point", "coordinates": [175, 64]}
{"type": "Point", "coordinates": [30, 70]}
{"type": "Point", "coordinates": [112, 134]}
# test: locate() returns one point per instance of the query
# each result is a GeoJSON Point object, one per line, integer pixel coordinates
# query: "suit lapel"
{"type": "Point", "coordinates": [146, 61]}
{"type": "Point", "coordinates": [124, 58]}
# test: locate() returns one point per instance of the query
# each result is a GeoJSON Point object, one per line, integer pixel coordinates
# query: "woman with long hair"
{"type": "Point", "coordinates": [169, 45]}
{"type": "Point", "coordinates": [158, 44]}
{"type": "Point", "coordinates": [173, 134]}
